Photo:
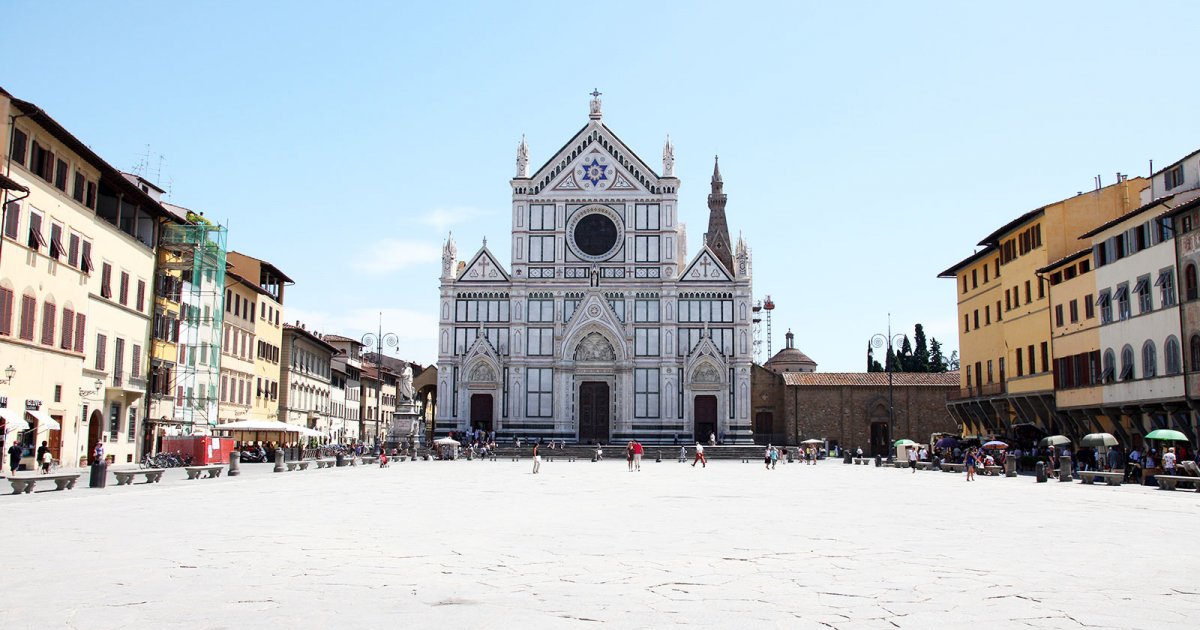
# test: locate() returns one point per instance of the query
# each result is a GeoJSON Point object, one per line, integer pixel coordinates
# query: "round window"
{"type": "Point", "coordinates": [595, 234]}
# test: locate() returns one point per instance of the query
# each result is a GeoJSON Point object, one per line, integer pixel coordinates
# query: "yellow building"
{"type": "Point", "coordinates": [266, 326]}
{"type": "Point", "coordinates": [1075, 340]}
{"type": "Point", "coordinates": [76, 264]}
{"type": "Point", "coordinates": [1007, 379]}
{"type": "Point", "coordinates": [238, 338]}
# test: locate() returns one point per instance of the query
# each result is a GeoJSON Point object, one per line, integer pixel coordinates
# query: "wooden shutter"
{"type": "Point", "coordinates": [141, 295]}
{"type": "Point", "coordinates": [28, 305]}
{"type": "Point", "coordinates": [49, 312]}
{"type": "Point", "coordinates": [123, 296]}
{"type": "Point", "coordinates": [68, 328]}
{"type": "Point", "coordinates": [106, 281]}
{"type": "Point", "coordinates": [101, 349]}
{"type": "Point", "coordinates": [6, 306]}
{"type": "Point", "coordinates": [80, 328]}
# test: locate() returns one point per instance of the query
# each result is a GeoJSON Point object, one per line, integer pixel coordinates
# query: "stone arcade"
{"type": "Point", "coordinates": [604, 329]}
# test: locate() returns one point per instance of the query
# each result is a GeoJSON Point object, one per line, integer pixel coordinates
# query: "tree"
{"type": "Point", "coordinates": [952, 363]}
{"type": "Point", "coordinates": [937, 362]}
{"type": "Point", "coordinates": [920, 360]}
{"type": "Point", "coordinates": [872, 364]}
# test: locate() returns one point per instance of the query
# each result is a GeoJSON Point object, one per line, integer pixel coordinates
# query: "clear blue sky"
{"type": "Point", "coordinates": [865, 146]}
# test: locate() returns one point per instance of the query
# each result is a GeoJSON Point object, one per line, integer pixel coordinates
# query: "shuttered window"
{"type": "Point", "coordinates": [49, 315]}
{"type": "Point", "coordinates": [80, 329]}
{"type": "Point", "coordinates": [6, 311]}
{"type": "Point", "coordinates": [68, 329]}
{"type": "Point", "coordinates": [28, 306]}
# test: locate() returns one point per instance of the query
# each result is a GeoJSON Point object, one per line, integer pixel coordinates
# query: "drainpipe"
{"type": "Point", "coordinates": [4, 200]}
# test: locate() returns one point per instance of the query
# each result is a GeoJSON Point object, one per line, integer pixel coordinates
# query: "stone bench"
{"type": "Point", "coordinates": [326, 463]}
{"type": "Point", "coordinates": [956, 468]}
{"type": "Point", "coordinates": [1168, 482]}
{"type": "Point", "coordinates": [861, 460]}
{"type": "Point", "coordinates": [302, 465]}
{"type": "Point", "coordinates": [125, 477]}
{"type": "Point", "coordinates": [26, 483]}
{"type": "Point", "coordinates": [369, 459]}
{"type": "Point", "coordinates": [924, 465]}
{"type": "Point", "coordinates": [1111, 478]}
{"type": "Point", "coordinates": [993, 470]}
{"type": "Point", "coordinates": [193, 472]}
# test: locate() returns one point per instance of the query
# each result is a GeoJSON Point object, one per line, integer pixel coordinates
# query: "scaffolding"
{"type": "Point", "coordinates": [195, 252]}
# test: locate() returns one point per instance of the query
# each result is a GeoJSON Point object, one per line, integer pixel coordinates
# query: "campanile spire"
{"type": "Point", "coordinates": [717, 238]}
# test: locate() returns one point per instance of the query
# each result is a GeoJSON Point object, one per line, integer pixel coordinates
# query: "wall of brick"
{"type": "Point", "coordinates": [844, 413]}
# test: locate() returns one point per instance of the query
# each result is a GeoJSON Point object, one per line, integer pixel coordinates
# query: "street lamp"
{"type": "Point", "coordinates": [878, 341]}
{"type": "Point", "coordinates": [9, 372]}
{"type": "Point", "coordinates": [379, 340]}
{"type": "Point", "coordinates": [85, 393]}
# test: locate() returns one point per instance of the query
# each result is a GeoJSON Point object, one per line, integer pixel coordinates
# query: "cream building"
{"type": "Point", "coordinates": [237, 391]}
{"type": "Point", "coordinates": [306, 379]}
{"type": "Point", "coordinates": [76, 262]}
{"type": "Point", "coordinates": [348, 361]}
{"type": "Point", "coordinates": [266, 326]}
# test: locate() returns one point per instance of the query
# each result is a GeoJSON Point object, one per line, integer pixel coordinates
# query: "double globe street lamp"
{"type": "Point", "coordinates": [880, 340]}
{"type": "Point", "coordinates": [379, 340]}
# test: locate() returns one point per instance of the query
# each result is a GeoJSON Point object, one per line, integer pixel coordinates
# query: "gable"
{"type": "Point", "coordinates": [705, 268]}
{"type": "Point", "coordinates": [594, 160]}
{"type": "Point", "coordinates": [483, 268]}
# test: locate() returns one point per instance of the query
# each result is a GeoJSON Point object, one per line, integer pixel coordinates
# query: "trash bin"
{"type": "Point", "coordinates": [878, 461]}
{"type": "Point", "coordinates": [341, 460]}
{"type": "Point", "coordinates": [846, 457]}
{"type": "Point", "coordinates": [99, 475]}
{"type": "Point", "coordinates": [1041, 472]}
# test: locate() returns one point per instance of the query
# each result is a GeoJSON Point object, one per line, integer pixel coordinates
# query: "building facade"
{"type": "Point", "coordinates": [603, 329]}
{"type": "Point", "coordinates": [306, 379]}
{"type": "Point", "coordinates": [266, 325]}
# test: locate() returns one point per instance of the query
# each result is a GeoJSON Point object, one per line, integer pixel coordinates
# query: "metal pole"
{"type": "Point", "coordinates": [891, 402]}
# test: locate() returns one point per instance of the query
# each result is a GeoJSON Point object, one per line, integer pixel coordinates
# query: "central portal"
{"type": "Point", "coordinates": [593, 412]}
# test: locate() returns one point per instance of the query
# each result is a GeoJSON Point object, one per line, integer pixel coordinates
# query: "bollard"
{"type": "Point", "coordinates": [1041, 472]}
{"type": "Point", "coordinates": [594, 457]}
{"type": "Point", "coordinates": [1064, 468]}
{"type": "Point", "coordinates": [846, 458]}
{"type": "Point", "coordinates": [279, 460]}
{"type": "Point", "coordinates": [1010, 467]}
{"type": "Point", "coordinates": [235, 460]}
{"type": "Point", "coordinates": [659, 458]}
{"type": "Point", "coordinates": [99, 474]}
{"type": "Point", "coordinates": [878, 461]}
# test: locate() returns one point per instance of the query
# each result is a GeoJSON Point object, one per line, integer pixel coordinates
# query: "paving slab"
{"type": "Point", "coordinates": [487, 544]}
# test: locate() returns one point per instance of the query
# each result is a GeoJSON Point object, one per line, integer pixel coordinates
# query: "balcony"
{"type": "Point", "coordinates": [992, 389]}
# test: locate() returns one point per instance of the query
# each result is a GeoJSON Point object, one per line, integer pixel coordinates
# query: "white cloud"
{"type": "Point", "coordinates": [442, 219]}
{"type": "Point", "coordinates": [416, 331]}
{"type": "Point", "coordinates": [391, 254]}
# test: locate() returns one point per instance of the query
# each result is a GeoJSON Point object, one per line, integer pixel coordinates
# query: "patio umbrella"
{"type": "Point", "coordinates": [1168, 435]}
{"type": "Point", "coordinates": [1098, 439]}
{"type": "Point", "coordinates": [1055, 440]}
{"type": "Point", "coordinates": [946, 442]}
{"type": "Point", "coordinates": [905, 443]}
{"type": "Point", "coordinates": [996, 445]}
{"type": "Point", "coordinates": [813, 441]}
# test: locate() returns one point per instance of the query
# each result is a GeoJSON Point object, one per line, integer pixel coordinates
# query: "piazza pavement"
{"type": "Point", "coordinates": [484, 544]}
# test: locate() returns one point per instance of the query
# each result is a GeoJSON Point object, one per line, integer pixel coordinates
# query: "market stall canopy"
{"type": "Point", "coordinates": [260, 425]}
{"type": "Point", "coordinates": [446, 442]}
{"type": "Point", "coordinates": [905, 442]}
{"type": "Point", "coordinates": [307, 432]}
{"type": "Point", "coordinates": [1169, 435]}
{"type": "Point", "coordinates": [1098, 439]}
{"type": "Point", "coordinates": [996, 445]}
{"type": "Point", "coordinates": [13, 420]}
{"type": "Point", "coordinates": [813, 441]}
{"type": "Point", "coordinates": [44, 420]}
{"type": "Point", "coordinates": [1055, 440]}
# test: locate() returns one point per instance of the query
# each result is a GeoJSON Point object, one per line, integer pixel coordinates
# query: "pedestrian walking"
{"type": "Point", "coordinates": [682, 453]}
{"type": "Point", "coordinates": [98, 453]}
{"type": "Point", "coordinates": [1168, 461]}
{"type": "Point", "coordinates": [774, 457]}
{"type": "Point", "coordinates": [637, 455]}
{"type": "Point", "coordinates": [629, 455]}
{"type": "Point", "coordinates": [767, 457]}
{"type": "Point", "coordinates": [912, 459]}
{"type": "Point", "coordinates": [537, 459]}
{"type": "Point", "coordinates": [700, 456]}
{"type": "Point", "coordinates": [44, 457]}
{"type": "Point", "coordinates": [970, 460]}
{"type": "Point", "coordinates": [14, 456]}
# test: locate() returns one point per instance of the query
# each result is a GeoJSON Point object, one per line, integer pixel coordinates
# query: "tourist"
{"type": "Point", "coordinates": [912, 459]}
{"type": "Point", "coordinates": [810, 456]}
{"type": "Point", "coordinates": [637, 455]}
{"type": "Point", "coordinates": [629, 455]}
{"type": "Point", "coordinates": [1132, 465]}
{"type": "Point", "coordinates": [14, 456]}
{"type": "Point", "coordinates": [682, 453]}
{"type": "Point", "coordinates": [712, 439]}
{"type": "Point", "coordinates": [700, 456]}
{"type": "Point", "coordinates": [43, 458]}
{"type": "Point", "coordinates": [1168, 461]}
{"type": "Point", "coordinates": [774, 457]}
{"type": "Point", "coordinates": [858, 452]}
{"type": "Point", "coordinates": [970, 464]}
{"type": "Point", "coordinates": [767, 457]}
{"type": "Point", "coordinates": [1114, 458]}
{"type": "Point", "coordinates": [98, 452]}
{"type": "Point", "coordinates": [537, 459]}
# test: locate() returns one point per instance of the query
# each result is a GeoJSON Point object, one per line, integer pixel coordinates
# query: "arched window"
{"type": "Point", "coordinates": [1173, 358]}
{"type": "Point", "coordinates": [1127, 363]}
{"type": "Point", "coordinates": [1149, 360]}
{"type": "Point", "coordinates": [1189, 281]}
{"type": "Point", "coordinates": [1110, 364]}
{"type": "Point", "coordinates": [1195, 343]}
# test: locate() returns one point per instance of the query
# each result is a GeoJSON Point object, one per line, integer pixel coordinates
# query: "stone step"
{"type": "Point", "coordinates": [613, 451]}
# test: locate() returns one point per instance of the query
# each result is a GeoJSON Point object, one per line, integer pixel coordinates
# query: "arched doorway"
{"type": "Point", "coordinates": [704, 414]}
{"type": "Point", "coordinates": [593, 412]}
{"type": "Point", "coordinates": [95, 427]}
{"type": "Point", "coordinates": [481, 412]}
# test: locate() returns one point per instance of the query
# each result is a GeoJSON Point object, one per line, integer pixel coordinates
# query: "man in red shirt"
{"type": "Point", "coordinates": [637, 455]}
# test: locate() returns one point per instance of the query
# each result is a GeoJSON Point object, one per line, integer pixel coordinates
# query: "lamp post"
{"type": "Point", "coordinates": [880, 340]}
{"type": "Point", "coordinates": [9, 373]}
{"type": "Point", "coordinates": [379, 340]}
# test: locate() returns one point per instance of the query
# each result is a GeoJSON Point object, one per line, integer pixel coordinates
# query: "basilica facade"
{"type": "Point", "coordinates": [603, 329]}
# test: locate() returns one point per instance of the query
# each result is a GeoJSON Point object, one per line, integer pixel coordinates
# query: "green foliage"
{"type": "Point", "coordinates": [923, 356]}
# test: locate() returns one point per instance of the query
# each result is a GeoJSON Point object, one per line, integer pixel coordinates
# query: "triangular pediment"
{"type": "Point", "coordinates": [483, 268]}
{"type": "Point", "coordinates": [594, 314]}
{"type": "Point", "coordinates": [595, 160]}
{"type": "Point", "coordinates": [706, 268]}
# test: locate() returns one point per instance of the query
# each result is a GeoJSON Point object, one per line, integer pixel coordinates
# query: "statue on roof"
{"type": "Point", "coordinates": [668, 158]}
{"type": "Point", "coordinates": [523, 158]}
{"type": "Point", "coordinates": [594, 112]}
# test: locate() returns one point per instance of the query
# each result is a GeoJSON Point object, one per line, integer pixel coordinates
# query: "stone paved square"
{"type": "Point", "coordinates": [487, 544]}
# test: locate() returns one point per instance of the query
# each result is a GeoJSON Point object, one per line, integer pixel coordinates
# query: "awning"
{"type": "Point", "coordinates": [1143, 284]}
{"type": "Point", "coordinates": [13, 420]}
{"type": "Point", "coordinates": [44, 420]}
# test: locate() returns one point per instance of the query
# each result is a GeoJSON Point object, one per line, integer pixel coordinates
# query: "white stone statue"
{"type": "Point", "coordinates": [668, 158]}
{"type": "Point", "coordinates": [406, 384]}
{"type": "Point", "coordinates": [523, 158]}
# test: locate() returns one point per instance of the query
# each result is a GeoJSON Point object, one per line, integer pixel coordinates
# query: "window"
{"type": "Point", "coordinates": [1041, 289]}
{"type": "Point", "coordinates": [12, 219]}
{"type": "Point", "coordinates": [1073, 309]}
{"type": "Point", "coordinates": [541, 310]}
{"type": "Point", "coordinates": [19, 143]}
{"type": "Point", "coordinates": [131, 427]}
{"type": "Point", "coordinates": [1189, 281]}
{"type": "Point", "coordinates": [1166, 282]}
{"type": "Point", "coordinates": [540, 342]}
{"type": "Point", "coordinates": [49, 315]}
{"type": "Point", "coordinates": [123, 295]}
{"type": "Point", "coordinates": [1020, 363]}
{"type": "Point", "coordinates": [698, 311]}
{"type": "Point", "coordinates": [60, 175]}
{"type": "Point", "coordinates": [56, 244]}
{"type": "Point", "coordinates": [1110, 366]}
{"type": "Point", "coordinates": [73, 249]}
{"type": "Point", "coordinates": [1127, 371]}
{"type": "Point", "coordinates": [85, 258]}
{"type": "Point", "coordinates": [80, 328]}
{"type": "Point", "coordinates": [1032, 361]}
{"type": "Point", "coordinates": [36, 240]}
{"type": "Point", "coordinates": [646, 311]}
{"type": "Point", "coordinates": [101, 349]}
{"type": "Point", "coordinates": [998, 317]}
{"type": "Point", "coordinates": [135, 368]}
{"type": "Point", "coordinates": [1058, 315]}
{"type": "Point", "coordinates": [646, 249]}
{"type": "Point", "coordinates": [79, 189]}
{"type": "Point", "coordinates": [106, 280]}
{"type": "Point", "coordinates": [1028, 292]}
{"type": "Point", "coordinates": [989, 365]}
{"type": "Point", "coordinates": [1089, 307]}
{"type": "Point", "coordinates": [481, 310]}
{"type": "Point", "coordinates": [645, 217]}
{"type": "Point", "coordinates": [1045, 356]}
{"type": "Point", "coordinates": [966, 323]}
{"type": "Point", "coordinates": [1122, 299]}
{"type": "Point", "coordinates": [118, 367]}
{"type": "Point", "coordinates": [1142, 289]}
{"type": "Point", "coordinates": [539, 392]}
{"type": "Point", "coordinates": [68, 329]}
{"type": "Point", "coordinates": [6, 311]}
{"type": "Point", "coordinates": [1195, 354]}
{"type": "Point", "coordinates": [974, 278]}
{"type": "Point", "coordinates": [541, 217]}
{"type": "Point", "coordinates": [28, 308]}
{"type": "Point", "coordinates": [987, 315]}
{"type": "Point", "coordinates": [1173, 177]}
{"type": "Point", "coordinates": [964, 279]}
{"type": "Point", "coordinates": [617, 305]}
{"type": "Point", "coordinates": [1171, 352]}
{"type": "Point", "coordinates": [975, 319]}
{"type": "Point", "coordinates": [41, 161]}
{"type": "Point", "coordinates": [646, 393]}
{"type": "Point", "coordinates": [646, 342]}
{"type": "Point", "coordinates": [141, 295]}
{"type": "Point", "coordinates": [541, 249]}
{"type": "Point", "coordinates": [1149, 360]}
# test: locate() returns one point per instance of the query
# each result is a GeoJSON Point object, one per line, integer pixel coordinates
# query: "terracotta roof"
{"type": "Point", "coordinates": [311, 336]}
{"type": "Point", "coordinates": [341, 338]}
{"type": "Point", "coordinates": [790, 354]}
{"type": "Point", "coordinates": [872, 379]}
{"type": "Point", "coordinates": [1065, 259]}
{"type": "Point", "coordinates": [1129, 215]}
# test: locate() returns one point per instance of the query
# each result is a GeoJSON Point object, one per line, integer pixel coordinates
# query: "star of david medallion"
{"type": "Point", "coordinates": [594, 172]}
